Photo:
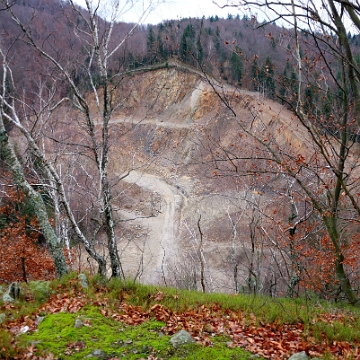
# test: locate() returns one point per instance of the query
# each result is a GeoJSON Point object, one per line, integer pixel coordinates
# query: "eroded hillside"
{"type": "Point", "coordinates": [176, 214]}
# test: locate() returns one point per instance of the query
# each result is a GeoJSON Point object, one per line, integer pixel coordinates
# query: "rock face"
{"type": "Point", "coordinates": [171, 125]}
{"type": "Point", "coordinates": [168, 117]}
{"type": "Point", "coordinates": [181, 338]}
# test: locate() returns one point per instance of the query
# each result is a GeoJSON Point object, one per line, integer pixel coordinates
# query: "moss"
{"type": "Point", "coordinates": [41, 290]}
{"type": "Point", "coordinates": [57, 335]}
{"type": "Point", "coordinates": [218, 351]}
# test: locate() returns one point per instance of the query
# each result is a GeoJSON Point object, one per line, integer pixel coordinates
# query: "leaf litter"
{"type": "Point", "coordinates": [270, 340]}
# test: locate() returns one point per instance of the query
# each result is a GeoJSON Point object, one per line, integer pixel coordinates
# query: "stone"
{"type": "Point", "coordinates": [78, 324]}
{"type": "Point", "coordinates": [14, 290]}
{"type": "Point", "coordinates": [12, 293]}
{"type": "Point", "coordinates": [180, 338]}
{"type": "Point", "coordinates": [7, 298]}
{"type": "Point", "coordinates": [99, 354]}
{"type": "Point", "coordinates": [84, 282]}
{"type": "Point", "coordinates": [299, 356]}
{"type": "Point", "coordinates": [24, 329]}
{"type": "Point", "coordinates": [2, 318]}
{"type": "Point", "coordinates": [39, 319]}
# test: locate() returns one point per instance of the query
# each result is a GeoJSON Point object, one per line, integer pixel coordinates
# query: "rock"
{"type": "Point", "coordinates": [84, 282]}
{"type": "Point", "coordinates": [12, 293]}
{"type": "Point", "coordinates": [299, 356]}
{"type": "Point", "coordinates": [78, 324]}
{"type": "Point", "coordinates": [181, 338]}
{"type": "Point", "coordinates": [14, 290]}
{"type": "Point", "coordinates": [24, 330]}
{"type": "Point", "coordinates": [39, 319]}
{"type": "Point", "coordinates": [7, 298]}
{"type": "Point", "coordinates": [2, 318]}
{"type": "Point", "coordinates": [99, 354]}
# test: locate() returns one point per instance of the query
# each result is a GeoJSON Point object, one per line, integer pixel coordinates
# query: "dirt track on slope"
{"type": "Point", "coordinates": [161, 243]}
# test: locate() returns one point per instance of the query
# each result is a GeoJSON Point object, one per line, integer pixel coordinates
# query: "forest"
{"type": "Point", "coordinates": [68, 75]}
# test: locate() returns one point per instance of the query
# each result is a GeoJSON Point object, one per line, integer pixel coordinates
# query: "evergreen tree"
{"type": "Point", "coordinates": [269, 71]}
{"type": "Point", "coordinates": [284, 85]}
{"type": "Point", "coordinates": [151, 47]}
{"type": "Point", "coordinates": [161, 49]}
{"type": "Point", "coordinates": [255, 74]}
{"type": "Point", "coordinates": [293, 85]}
{"type": "Point", "coordinates": [200, 50]}
{"type": "Point", "coordinates": [187, 43]}
{"type": "Point", "coordinates": [236, 65]}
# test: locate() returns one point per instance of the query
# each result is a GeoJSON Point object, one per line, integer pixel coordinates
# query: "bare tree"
{"type": "Point", "coordinates": [90, 76]}
{"type": "Point", "coordinates": [7, 112]}
{"type": "Point", "coordinates": [327, 174]}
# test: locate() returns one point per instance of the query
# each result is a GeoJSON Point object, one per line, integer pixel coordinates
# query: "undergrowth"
{"type": "Point", "coordinates": [101, 303]}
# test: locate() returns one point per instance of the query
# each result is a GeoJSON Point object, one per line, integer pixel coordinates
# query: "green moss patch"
{"type": "Point", "coordinates": [58, 335]}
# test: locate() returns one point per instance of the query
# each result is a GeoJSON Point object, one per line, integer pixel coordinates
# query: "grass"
{"type": "Point", "coordinates": [57, 335]}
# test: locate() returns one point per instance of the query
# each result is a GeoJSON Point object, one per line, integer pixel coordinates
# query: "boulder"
{"type": "Point", "coordinates": [14, 290]}
{"type": "Point", "coordinates": [180, 338]}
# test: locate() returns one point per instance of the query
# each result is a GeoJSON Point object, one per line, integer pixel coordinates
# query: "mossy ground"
{"type": "Point", "coordinates": [125, 320]}
{"type": "Point", "coordinates": [57, 335]}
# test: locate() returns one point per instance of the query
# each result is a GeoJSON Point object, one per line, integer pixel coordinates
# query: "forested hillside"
{"type": "Point", "coordinates": [210, 154]}
{"type": "Point", "coordinates": [238, 50]}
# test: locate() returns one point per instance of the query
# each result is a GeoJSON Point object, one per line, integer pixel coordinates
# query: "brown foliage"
{"type": "Point", "coordinates": [23, 256]}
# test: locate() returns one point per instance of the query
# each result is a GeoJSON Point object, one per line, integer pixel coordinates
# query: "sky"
{"type": "Point", "coordinates": [177, 9]}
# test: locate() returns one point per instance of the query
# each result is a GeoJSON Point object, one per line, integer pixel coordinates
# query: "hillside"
{"type": "Point", "coordinates": [84, 318]}
{"type": "Point", "coordinates": [193, 154]}
{"type": "Point", "coordinates": [163, 139]}
{"type": "Point", "coordinates": [163, 136]}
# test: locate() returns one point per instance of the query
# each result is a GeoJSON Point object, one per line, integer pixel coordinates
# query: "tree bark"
{"type": "Point", "coordinates": [36, 200]}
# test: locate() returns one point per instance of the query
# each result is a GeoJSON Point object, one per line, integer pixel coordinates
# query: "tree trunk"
{"type": "Point", "coordinates": [116, 269]}
{"type": "Point", "coordinates": [345, 285]}
{"type": "Point", "coordinates": [36, 199]}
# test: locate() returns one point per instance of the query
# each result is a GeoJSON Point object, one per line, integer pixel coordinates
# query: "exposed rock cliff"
{"type": "Point", "coordinates": [170, 122]}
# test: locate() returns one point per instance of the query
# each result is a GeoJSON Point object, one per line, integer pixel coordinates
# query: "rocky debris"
{"type": "Point", "coordinates": [12, 293]}
{"type": "Point", "coordinates": [180, 338]}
